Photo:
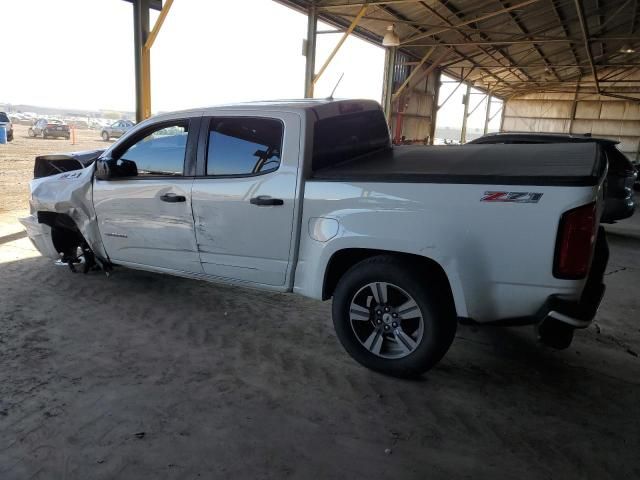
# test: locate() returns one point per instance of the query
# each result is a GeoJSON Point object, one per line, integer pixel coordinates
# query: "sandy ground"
{"type": "Point", "coordinates": [143, 376]}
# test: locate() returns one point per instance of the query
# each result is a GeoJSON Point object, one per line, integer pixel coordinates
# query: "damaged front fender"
{"type": "Point", "coordinates": [71, 194]}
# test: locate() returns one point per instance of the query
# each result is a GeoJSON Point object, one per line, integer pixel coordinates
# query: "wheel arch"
{"type": "Point", "coordinates": [342, 260]}
{"type": "Point", "coordinates": [65, 234]}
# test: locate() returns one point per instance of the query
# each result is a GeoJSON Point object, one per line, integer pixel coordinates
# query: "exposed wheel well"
{"type": "Point", "coordinates": [65, 234]}
{"type": "Point", "coordinates": [343, 260]}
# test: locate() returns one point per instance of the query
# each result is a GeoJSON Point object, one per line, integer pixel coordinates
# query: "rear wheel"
{"type": "Point", "coordinates": [390, 320]}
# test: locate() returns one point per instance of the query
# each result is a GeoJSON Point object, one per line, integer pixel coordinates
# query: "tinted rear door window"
{"type": "Point", "coordinates": [244, 146]}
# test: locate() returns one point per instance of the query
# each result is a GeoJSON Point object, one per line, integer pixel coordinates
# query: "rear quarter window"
{"type": "Point", "coordinates": [344, 137]}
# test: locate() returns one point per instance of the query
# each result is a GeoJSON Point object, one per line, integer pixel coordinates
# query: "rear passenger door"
{"type": "Point", "coordinates": [244, 196]}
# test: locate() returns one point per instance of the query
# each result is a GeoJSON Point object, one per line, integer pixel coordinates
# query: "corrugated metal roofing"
{"type": "Point", "coordinates": [510, 47]}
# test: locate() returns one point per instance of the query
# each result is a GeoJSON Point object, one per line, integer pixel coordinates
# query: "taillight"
{"type": "Point", "coordinates": [574, 245]}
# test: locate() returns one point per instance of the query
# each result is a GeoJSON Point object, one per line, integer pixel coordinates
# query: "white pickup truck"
{"type": "Point", "coordinates": [310, 197]}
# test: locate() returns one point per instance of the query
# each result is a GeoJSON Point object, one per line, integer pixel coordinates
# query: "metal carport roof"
{"type": "Point", "coordinates": [507, 47]}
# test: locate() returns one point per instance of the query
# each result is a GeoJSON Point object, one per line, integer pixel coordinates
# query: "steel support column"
{"type": "Point", "coordinates": [487, 115]}
{"type": "Point", "coordinates": [574, 107]}
{"type": "Point", "coordinates": [310, 51]}
{"type": "Point", "coordinates": [387, 87]}
{"type": "Point", "coordinates": [465, 116]}
{"type": "Point", "coordinates": [142, 60]}
{"type": "Point", "coordinates": [434, 106]}
{"type": "Point", "coordinates": [143, 41]}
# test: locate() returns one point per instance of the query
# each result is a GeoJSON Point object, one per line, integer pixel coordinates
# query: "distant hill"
{"type": "Point", "coordinates": [65, 112]}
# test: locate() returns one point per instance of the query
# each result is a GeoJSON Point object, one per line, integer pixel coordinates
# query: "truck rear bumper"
{"type": "Point", "coordinates": [580, 314]}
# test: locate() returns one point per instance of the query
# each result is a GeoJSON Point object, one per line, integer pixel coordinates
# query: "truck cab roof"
{"type": "Point", "coordinates": [321, 108]}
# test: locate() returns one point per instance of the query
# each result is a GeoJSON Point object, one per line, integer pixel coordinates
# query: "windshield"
{"type": "Point", "coordinates": [3, 117]}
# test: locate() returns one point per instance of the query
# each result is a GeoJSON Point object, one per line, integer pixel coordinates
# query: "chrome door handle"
{"type": "Point", "coordinates": [173, 198]}
{"type": "Point", "coordinates": [265, 200]}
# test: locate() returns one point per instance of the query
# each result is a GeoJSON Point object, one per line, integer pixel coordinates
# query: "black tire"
{"type": "Point", "coordinates": [105, 136]}
{"type": "Point", "coordinates": [44, 135]}
{"type": "Point", "coordinates": [438, 315]}
{"type": "Point", "coordinates": [31, 133]}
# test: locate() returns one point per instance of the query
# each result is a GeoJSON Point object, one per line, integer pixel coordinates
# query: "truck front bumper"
{"type": "Point", "coordinates": [580, 314]}
{"type": "Point", "coordinates": [40, 236]}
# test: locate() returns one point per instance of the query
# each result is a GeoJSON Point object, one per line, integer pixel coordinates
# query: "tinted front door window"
{"type": "Point", "coordinates": [161, 152]}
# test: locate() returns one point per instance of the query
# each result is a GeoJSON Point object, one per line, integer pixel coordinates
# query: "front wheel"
{"type": "Point", "coordinates": [31, 133]}
{"type": "Point", "coordinates": [105, 136]}
{"type": "Point", "coordinates": [391, 319]}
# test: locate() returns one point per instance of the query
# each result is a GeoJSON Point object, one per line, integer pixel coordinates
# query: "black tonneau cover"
{"type": "Point", "coordinates": [568, 164]}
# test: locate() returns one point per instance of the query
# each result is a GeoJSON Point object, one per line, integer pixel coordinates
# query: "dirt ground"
{"type": "Point", "coordinates": [16, 161]}
{"type": "Point", "coordinates": [144, 376]}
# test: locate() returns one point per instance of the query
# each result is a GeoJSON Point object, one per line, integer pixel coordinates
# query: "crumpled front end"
{"type": "Point", "coordinates": [70, 195]}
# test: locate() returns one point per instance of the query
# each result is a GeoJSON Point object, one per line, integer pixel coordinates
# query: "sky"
{"type": "Point", "coordinates": [79, 54]}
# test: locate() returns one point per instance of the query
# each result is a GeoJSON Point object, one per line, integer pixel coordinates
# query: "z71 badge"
{"type": "Point", "coordinates": [512, 197]}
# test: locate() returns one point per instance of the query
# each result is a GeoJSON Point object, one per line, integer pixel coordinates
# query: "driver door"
{"type": "Point", "coordinates": [144, 212]}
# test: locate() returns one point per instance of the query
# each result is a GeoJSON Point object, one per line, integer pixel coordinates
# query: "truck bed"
{"type": "Point", "coordinates": [562, 164]}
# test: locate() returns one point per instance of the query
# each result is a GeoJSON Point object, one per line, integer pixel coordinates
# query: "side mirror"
{"type": "Point", "coordinates": [109, 168]}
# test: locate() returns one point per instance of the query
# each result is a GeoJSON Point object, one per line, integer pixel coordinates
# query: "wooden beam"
{"type": "Point", "coordinates": [346, 34]}
{"type": "Point", "coordinates": [159, 22]}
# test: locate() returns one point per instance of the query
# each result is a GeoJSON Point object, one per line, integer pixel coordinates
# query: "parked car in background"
{"type": "Point", "coordinates": [116, 130]}
{"type": "Point", "coordinates": [621, 177]}
{"type": "Point", "coordinates": [310, 197]}
{"type": "Point", "coordinates": [50, 128]}
{"type": "Point", "coordinates": [6, 123]}
{"type": "Point", "coordinates": [78, 123]}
